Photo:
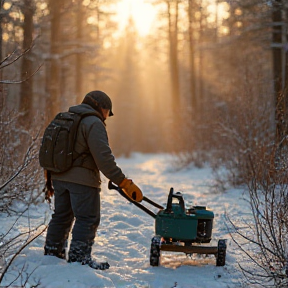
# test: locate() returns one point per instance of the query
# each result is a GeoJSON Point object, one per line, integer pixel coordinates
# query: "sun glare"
{"type": "Point", "coordinates": [221, 9]}
{"type": "Point", "coordinates": [140, 11]}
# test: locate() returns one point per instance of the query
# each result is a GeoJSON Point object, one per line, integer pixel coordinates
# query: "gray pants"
{"type": "Point", "coordinates": [74, 201]}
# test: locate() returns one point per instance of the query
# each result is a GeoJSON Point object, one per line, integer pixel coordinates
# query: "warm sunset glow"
{"type": "Point", "coordinates": [218, 11]}
{"type": "Point", "coordinates": [142, 13]}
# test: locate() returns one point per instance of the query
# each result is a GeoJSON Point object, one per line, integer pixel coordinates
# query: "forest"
{"type": "Point", "coordinates": [205, 80]}
{"type": "Point", "coordinates": [199, 61]}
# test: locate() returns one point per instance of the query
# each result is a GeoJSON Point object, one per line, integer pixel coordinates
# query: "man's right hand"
{"type": "Point", "coordinates": [131, 190]}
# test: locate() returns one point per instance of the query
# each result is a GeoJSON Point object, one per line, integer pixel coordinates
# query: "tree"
{"type": "Point", "coordinates": [26, 93]}
{"type": "Point", "coordinates": [280, 71]}
{"type": "Point", "coordinates": [79, 56]}
{"type": "Point", "coordinates": [55, 64]}
{"type": "Point", "coordinates": [172, 11]}
{"type": "Point", "coordinates": [191, 28]}
{"type": "Point", "coordinates": [1, 30]}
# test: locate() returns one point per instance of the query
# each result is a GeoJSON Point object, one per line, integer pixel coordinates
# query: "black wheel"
{"type": "Point", "coordinates": [155, 251]}
{"type": "Point", "coordinates": [221, 254]}
{"type": "Point", "coordinates": [187, 243]}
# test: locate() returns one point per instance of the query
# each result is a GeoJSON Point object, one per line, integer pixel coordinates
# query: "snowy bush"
{"type": "Point", "coordinates": [264, 240]}
{"type": "Point", "coordinates": [19, 168]}
{"type": "Point", "coordinates": [20, 187]}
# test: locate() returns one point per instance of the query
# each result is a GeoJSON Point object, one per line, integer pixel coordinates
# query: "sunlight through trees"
{"type": "Point", "coordinates": [170, 66]}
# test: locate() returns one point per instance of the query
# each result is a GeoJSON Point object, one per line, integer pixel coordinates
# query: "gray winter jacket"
{"type": "Point", "coordinates": [92, 144]}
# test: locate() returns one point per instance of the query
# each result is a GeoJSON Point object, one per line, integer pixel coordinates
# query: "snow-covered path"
{"type": "Point", "coordinates": [125, 232]}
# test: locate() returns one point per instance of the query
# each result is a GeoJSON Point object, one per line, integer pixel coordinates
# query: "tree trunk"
{"type": "Point", "coordinates": [26, 90]}
{"type": "Point", "coordinates": [173, 52]}
{"type": "Point", "coordinates": [1, 31]}
{"type": "Point", "coordinates": [52, 102]}
{"type": "Point", "coordinates": [1, 57]}
{"type": "Point", "coordinates": [277, 21]}
{"type": "Point", "coordinates": [194, 102]}
{"type": "Point", "coordinates": [285, 51]}
{"type": "Point", "coordinates": [201, 31]}
{"type": "Point", "coordinates": [79, 57]}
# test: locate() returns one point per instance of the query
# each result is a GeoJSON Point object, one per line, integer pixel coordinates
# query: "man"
{"type": "Point", "coordinates": [77, 191]}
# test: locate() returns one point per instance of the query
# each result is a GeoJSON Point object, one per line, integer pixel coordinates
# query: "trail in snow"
{"type": "Point", "coordinates": [125, 233]}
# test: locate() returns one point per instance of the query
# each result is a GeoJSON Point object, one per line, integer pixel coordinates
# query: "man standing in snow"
{"type": "Point", "coordinates": [77, 191]}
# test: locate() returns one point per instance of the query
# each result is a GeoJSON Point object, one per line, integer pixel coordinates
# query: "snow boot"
{"type": "Point", "coordinates": [55, 249]}
{"type": "Point", "coordinates": [81, 252]}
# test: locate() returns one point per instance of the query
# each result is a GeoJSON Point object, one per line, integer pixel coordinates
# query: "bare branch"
{"type": "Point", "coordinates": [23, 80]}
{"type": "Point", "coordinates": [25, 163]}
{"type": "Point", "coordinates": [21, 248]}
{"type": "Point", "coordinates": [2, 65]}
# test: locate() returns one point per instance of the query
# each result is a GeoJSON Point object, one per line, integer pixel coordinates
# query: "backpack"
{"type": "Point", "coordinates": [56, 152]}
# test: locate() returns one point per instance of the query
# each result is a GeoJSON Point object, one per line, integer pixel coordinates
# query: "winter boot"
{"type": "Point", "coordinates": [81, 252]}
{"type": "Point", "coordinates": [55, 249]}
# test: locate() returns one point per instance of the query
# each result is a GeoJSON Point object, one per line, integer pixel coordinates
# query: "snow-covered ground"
{"type": "Point", "coordinates": [125, 232]}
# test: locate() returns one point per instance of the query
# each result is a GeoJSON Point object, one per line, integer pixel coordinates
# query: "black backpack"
{"type": "Point", "coordinates": [57, 149]}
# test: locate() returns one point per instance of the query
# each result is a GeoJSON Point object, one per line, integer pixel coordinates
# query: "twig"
{"type": "Point", "coordinates": [21, 81]}
{"type": "Point", "coordinates": [19, 251]}
{"type": "Point", "coordinates": [21, 168]}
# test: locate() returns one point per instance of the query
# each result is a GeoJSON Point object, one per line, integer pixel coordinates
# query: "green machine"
{"type": "Point", "coordinates": [180, 229]}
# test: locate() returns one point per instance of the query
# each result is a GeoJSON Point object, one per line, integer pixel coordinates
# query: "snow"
{"type": "Point", "coordinates": [125, 232]}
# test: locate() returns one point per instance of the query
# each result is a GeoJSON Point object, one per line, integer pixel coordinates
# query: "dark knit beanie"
{"type": "Point", "coordinates": [98, 99]}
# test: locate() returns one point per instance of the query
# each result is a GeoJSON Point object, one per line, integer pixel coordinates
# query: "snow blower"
{"type": "Point", "coordinates": [180, 229]}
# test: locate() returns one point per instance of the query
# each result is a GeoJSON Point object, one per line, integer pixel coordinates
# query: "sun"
{"type": "Point", "coordinates": [142, 13]}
